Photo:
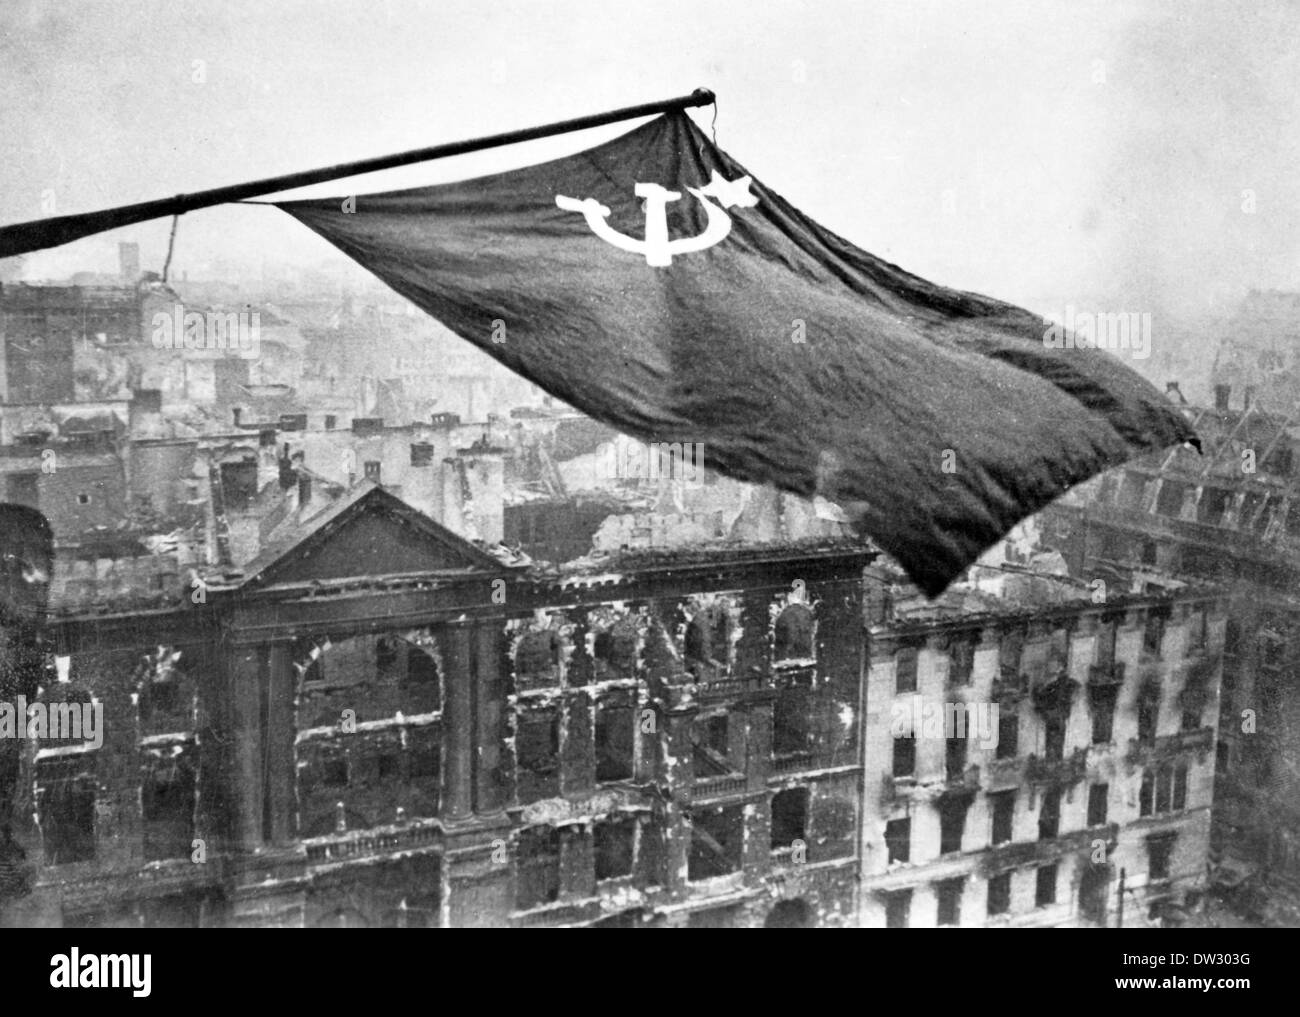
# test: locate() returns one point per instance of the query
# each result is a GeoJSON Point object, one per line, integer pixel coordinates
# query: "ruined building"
{"type": "Point", "coordinates": [376, 723]}
{"type": "Point", "coordinates": [1231, 516]}
{"type": "Point", "coordinates": [1084, 800]}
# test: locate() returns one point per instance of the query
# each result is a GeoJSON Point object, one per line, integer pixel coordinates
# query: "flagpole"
{"type": "Point", "coordinates": [25, 237]}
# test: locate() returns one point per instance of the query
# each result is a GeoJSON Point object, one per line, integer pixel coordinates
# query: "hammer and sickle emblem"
{"type": "Point", "coordinates": [656, 246]}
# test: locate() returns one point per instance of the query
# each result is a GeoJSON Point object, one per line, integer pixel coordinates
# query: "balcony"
{"type": "Point", "coordinates": [966, 781]}
{"type": "Point", "coordinates": [792, 762]}
{"type": "Point", "coordinates": [1001, 774]}
{"type": "Point", "coordinates": [729, 688]}
{"type": "Point", "coordinates": [1068, 770]}
{"type": "Point", "coordinates": [1037, 852]}
{"type": "Point", "coordinates": [1199, 740]}
{"type": "Point", "coordinates": [718, 786]}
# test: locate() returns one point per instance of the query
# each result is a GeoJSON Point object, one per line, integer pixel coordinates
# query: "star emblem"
{"type": "Point", "coordinates": [730, 193]}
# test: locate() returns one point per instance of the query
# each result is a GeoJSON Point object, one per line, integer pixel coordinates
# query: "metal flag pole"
{"type": "Point", "coordinates": [25, 237]}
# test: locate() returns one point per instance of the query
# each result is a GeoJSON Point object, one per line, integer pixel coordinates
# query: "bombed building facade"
{"type": "Point", "coordinates": [449, 739]}
{"type": "Point", "coordinates": [1232, 517]}
{"type": "Point", "coordinates": [1076, 789]}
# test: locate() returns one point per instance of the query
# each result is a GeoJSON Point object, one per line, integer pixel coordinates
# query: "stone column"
{"type": "Point", "coordinates": [458, 722]}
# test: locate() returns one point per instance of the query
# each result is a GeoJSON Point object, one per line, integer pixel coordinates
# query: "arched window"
{"type": "Point", "coordinates": [792, 635]}
{"type": "Point", "coordinates": [707, 644]}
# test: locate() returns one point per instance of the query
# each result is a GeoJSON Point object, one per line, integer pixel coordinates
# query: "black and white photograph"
{"type": "Point", "coordinates": [676, 465]}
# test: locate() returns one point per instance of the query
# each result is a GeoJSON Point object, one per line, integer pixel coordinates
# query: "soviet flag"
{"type": "Point", "coordinates": [653, 283]}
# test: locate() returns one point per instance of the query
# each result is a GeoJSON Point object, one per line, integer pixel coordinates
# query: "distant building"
{"type": "Point", "coordinates": [1083, 799]}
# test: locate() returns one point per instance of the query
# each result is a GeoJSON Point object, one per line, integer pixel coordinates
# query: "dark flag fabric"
{"type": "Point", "coordinates": [653, 283]}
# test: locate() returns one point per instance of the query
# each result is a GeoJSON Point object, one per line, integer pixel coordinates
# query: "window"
{"type": "Point", "coordinates": [948, 892]}
{"type": "Point", "coordinates": [1049, 814]}
{"type": "Point", "coordinates": [1197, 631]}
{"type": "Point", "coordinates": [1106, 634]}
{"type": "Point", "coordinates": [537, 754]}
{"type": "Point", "coordinates": [1180, 788]}
{"type": "Point", "coordinates": [1045, 890]}
{"type": "Point", "coordinates": [898, 907]}
{"type": "Point", "coordinates": [789, 817]}
{"type": "Point", "coordinates": [1004, 810]}
{"type": "Point", "coordinates": [615, 650]}
{"type": "Point", "coordinates": [792, 635]}
{"type": "Point", "coordinates": [614, 841]}
{"type": "Point", "coordinates": [421, 453]}
{"type": "Point", "coordinates": [1008, 733]}
{"type": "Point", "coordinates": [66, 800]}
{"type": "Point", "coordinates": [1148, 710]}
{"type": "Point", "coordinates": [1010, 649]}
{"type": "Point", "coordinates": [1191, 713]}
{"type": "Point", "coordinates": [952, 822]}
{"type": "Point", "coordinates": [898, 839]}
{"type": "Point", "coordinates": [1164, 789]}
{"type": "Point", "coordinates": [904, 757]}
{"type": "Point", "coordinates": [372, 470]}
{"type": "Point", "coordinates": [961, 660]}
{"type": "Point", "coordinates": [905, 670]}
{"type": "Point", "coordinates": [1098, 794]}
{"type": "Point", "coordinates": [167, 802]}
{"type": "Point", "coordinates": [1102, 699]}
{"type": "Point", "coordinates": [1055, 738]}
{"type": "Point", "coordinates": [1000, 894]}
{"type": "Point", "coordinates": [615, 735]}
{"type": "Point", "coordinates": [388, 765]}
{"type": "Point", "coordinates": [83, 498]}
{"type": "Point", "coordinates": [792, 720]}
{"type": "Point", "coordinates": [537, 867]}
{"type": "Point", "coordinates": [1159, 850]}
{"type": "Point", "coordinates": [717, 836]}
{"type": "Point", "coordinates": [1153, 633]}
{"type": "Point", "coordinates": [708, 642]}
{"type": "Point", "coordinates": [955, 757]}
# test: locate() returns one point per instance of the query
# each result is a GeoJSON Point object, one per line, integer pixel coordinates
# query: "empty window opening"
{"type": "Point", "coordinates": [717, 837]}
{"type": "Point", "coordinates": [614, 843]}
{"type": "Point", "coordinates": [999, 894]}
{"type": "Point", "coordinates": [1045, 889]}
{"type": "Point", "coordinates": [1098, 795]}
{"type": "Point", "coordinates": [789, 817]}
{"type": "Point", "coordinates": [948, 895]}
{"type": "Point", "coordinates": [615, 741]}
{"type": "Point", "coordinates": [898, 839]}
{"type": "Point", "coordinates": [792, 635]}
{"type": "Point", "coordinates": [1004, 810]}
{"type": "Point", "coordinates": [905, 670]}
{"type": "Point", "coordinates": [898, 908]}
{"type": "Point", "coordinates": [537, 867]}
{"type": "Point", "coordinates": [1049, 814]}
{"type": "Point", "coordinates": [904, 764]}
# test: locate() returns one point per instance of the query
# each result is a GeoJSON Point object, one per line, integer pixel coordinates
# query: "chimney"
{"type": "Point", "coordinates": [1175, 394]}
{"type": "Point", "coordinates": [128, 260]}
{"type": "Point", "coordinates": [1221, 393]}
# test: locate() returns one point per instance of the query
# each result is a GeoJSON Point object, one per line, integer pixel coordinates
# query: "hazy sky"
{"type": "Point", "coordinates": [1100, 154]}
